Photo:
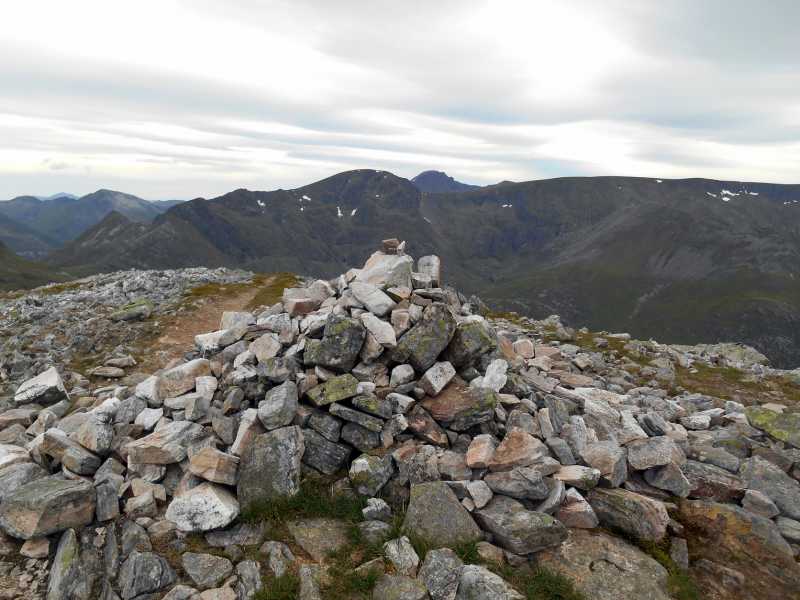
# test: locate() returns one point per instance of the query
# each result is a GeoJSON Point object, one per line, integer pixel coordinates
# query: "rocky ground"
{"type": "Point", "coordinates": [380, 435]}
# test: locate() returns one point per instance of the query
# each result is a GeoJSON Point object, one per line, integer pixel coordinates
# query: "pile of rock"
{"type": "Point", "coordinates": [485, 432]}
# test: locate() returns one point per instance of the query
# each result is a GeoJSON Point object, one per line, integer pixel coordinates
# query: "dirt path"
{"type": "Point", "coordinates": [175, 333]}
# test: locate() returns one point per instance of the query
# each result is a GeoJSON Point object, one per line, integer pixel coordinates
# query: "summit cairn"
{"type": "Point", "coordinates": [392, 388]}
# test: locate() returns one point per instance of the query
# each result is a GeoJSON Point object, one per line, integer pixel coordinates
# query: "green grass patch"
{"type": "Point", "coordinates": [270, 289]}
{"type": "Point", "coordinates": [539, 583]}
{"type": "Point", "coordinates": [679, 583]}
{"type": "Point", "coordinates": [285, 587]}
{"type": "Point", "coordinates": [730, 383]}
{"type": "Point", "coordinates": [315, 499]}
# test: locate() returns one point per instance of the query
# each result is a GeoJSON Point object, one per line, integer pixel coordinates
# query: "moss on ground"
{"type": "Point", "coordinates": [730, 383]}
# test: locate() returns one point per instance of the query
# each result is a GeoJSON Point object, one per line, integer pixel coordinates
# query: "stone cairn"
{"type": "Point", "coordinates": [482, 432]}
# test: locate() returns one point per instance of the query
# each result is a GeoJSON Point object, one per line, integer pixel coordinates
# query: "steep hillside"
{"type": "Point", "coordinates": [64, 217]}
{"type": "Point", "coordinates": [438, 182]}
{"type": "Point", "coordinates": [24, 240]}
{"type": "Point", "coordinates": [681, 260]}
{"type": "Point", "coordinates": [17, 272]}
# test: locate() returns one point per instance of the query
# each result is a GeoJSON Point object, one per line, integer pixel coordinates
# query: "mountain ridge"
{"type": "Point", "coordinates": [685, 260]}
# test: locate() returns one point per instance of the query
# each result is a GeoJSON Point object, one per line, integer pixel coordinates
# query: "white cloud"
{"type": "Point", "coordinates": [176, 98]}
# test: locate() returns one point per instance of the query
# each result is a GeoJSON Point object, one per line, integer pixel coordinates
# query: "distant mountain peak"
{"type": "Point", "coordinates": [439, 181]}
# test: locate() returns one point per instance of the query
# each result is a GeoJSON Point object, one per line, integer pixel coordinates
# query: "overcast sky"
{"type": "Point", "coordinates": [178, 99]}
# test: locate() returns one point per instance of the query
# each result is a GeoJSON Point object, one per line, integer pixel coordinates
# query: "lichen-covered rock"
{"type": "Point", "coordinates": [732, 537]}
{"type": "Point", "coordinates": [441, 572]}
{"type": "Point", "coordinates": [639, 516]}
{"type": "Point", "coordinates": [605, 567]}
{"type": "Point", "coordinates": [206, 570]}
{"type": "Point", "coordinates": [783, 426]}
{"type": "Point", "coordinates": [458, 407]}
{"type": "Point", "coordinates": [144, 573]}
{"type": "Point", "coordinates": [759, 474]}
{"type": "Point", "coordinates": [435, 515]}
{"type": "Point", "coordinates": [203, 508]}
{"type": "Point", "coordinates": [278, 407]}
{"type": "Point", "coordinates": [322, 454]}
{"type": "Point", "coordinates": [335, 389]}
{"type": "Point", "coordinates": [479, 583]}
{"type": "Point", "coordinates": [424, 342]}
{"type": "Point", "coordinates": [368, 473]}
{"type": "Point", "coordinates": [340, 344]}
{"type": "Point", "coordinates": [472, 339]}
{"type": "Point", "coordinates": [270, 466]}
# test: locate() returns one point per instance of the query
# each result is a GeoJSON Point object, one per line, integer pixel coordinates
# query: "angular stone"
{"type": "Point", "coordinates": [369, 403]}
{"type": "Point", "coordinates": [323, 455]}
{"type": "Point", "coordinates": [459, 408]}
{"type": "Point", "coordinates": [165, 446]}
{"type": "Point", "coordinates": [437, 377]}
{"type": "Point", "coordinates": [480, 451]}
{"type": "Point", "coordinates": [759, 474]}
{"type": "Point", "coordinates": [372, 298]}
{"type": "Point", "coordinates": [783, 426]}
{"type": "Point", "coordinates": [381, 331]}
{"type": "Point", "coordinates": [355, 416]}
{"type": "Point", "coordinates": [217, 340]}
{"type": "Point", "coordinates": [480, 493]}
{"type": "Point", "coordinates": [48, 505]}
{"type": "Point", "coordinates": [706, 481]}
{"type": "Point", "coordinates": [265, 347]}
{"type": "Point", "coordinates": [654, 452]}
{"type": "Point", "coordinates": [340, 344]}
{"type": "Point", "coordinates": [639, 516]}
{"type": "Point", "coordinates": [669, 478]}
{"type": "Point", "coordinates": [241, 534]}
{"type": "Point", "coordinates": [472, 339]}
{"type": "Point", "coordinates": [17, 475]}
{"type": "Point", "coordinates": [203, 508]}
{"type": "Point", "coordinates": [421, 345]}
{"type": "Point", "coordinates": [479, 583]}
{"type": "Point", "coordinates": [441, 572]}
{"type": "Point", "coordinates": [12, 455]}
{"type": "Point", "coordinates": [181, 379]}
{"type": "Point", "coordinates": [436, 516]}
{"type": "Point", "coordinates": [368, 473]}
{"type": "Point", "coordinates": [250, 427]}
{"type": "Point", "coordinates": [400, 553]}
{"type": "Point", "coordinates": [212, 465]}
{"type": "Point", "coordinates": [206, 570]}
{"type": "Point", "coordinates": [517, 529]}
{"type": "Point", "coordinates": [518, 449]}
{"type": "Point", "coordinates": [576, 512]}
{"type": "Point", "coordinates": [70, 453]}
{"type": "Point", "coordinates": [757, 503]}
{"type": "Point", "coordinates": [45, 388]}
{"type": "Point", "coordinates": [68, 576]}
{"type": "Point", "coordinates": [495, 377]}
{"type": "Point", "coordinates": [523, 483]}
{"type": "Point", "coordinates": [453, 467]}
{"type": "Point", "coordinates": [608, 458]}
{"type": "Point", "coordinates": [335, 389]}
{"type": "Point", "coordinates": [144, 573]}
{"type": "Point", "coordinates": [425, 427]}
{"type": "Point", "coordinates": [270, 467]}
{"type": "Point", "coordinates": [401, 375]}
{"type": "Point", "coordinates": [594, 561]}
{"type": "Point", "coordinates": [279, 406]}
